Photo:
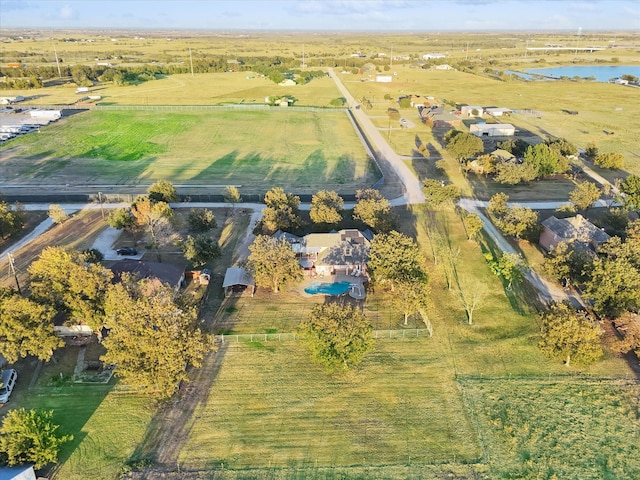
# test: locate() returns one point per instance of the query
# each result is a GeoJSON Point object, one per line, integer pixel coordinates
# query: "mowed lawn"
{"type": "Point", "coordinates": [254, 149]}
{"type": "Point", "coordinates": [574, 429]}
{"type": "Point", "coordinates": [270, 406]}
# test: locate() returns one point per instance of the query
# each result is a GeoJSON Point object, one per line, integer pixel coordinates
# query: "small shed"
{"type": "Point", "coordinates": [384, 78]}
{"type": "Point", "coordinates": [492, 130]}
{"type": "Point", "coordinates": [237, 280]}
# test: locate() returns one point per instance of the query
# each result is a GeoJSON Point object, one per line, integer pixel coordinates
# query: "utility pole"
{"type": "Point", "coordinates": [466, 56]}
{"type": "Point", "coordinates": [303, 56]}
{"type": "Point", "coordinates": [55, 52]}
{"type": "Point", "coordinates": [12, 266]}
{"type": "Point", "coordinates": [191, 60]}
{"type": "Point", "coordinates": [101, 205]}
{"type": "Point", "coordinates": [391, 59]}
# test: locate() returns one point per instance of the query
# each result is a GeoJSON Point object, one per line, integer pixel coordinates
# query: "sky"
{"type": "Point", "coordinates": [324, 15]}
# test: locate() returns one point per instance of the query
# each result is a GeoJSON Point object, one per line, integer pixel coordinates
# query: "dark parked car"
{"type": "Point", "coordinates": [128, 251]}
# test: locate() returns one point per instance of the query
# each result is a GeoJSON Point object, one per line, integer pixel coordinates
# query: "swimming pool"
{"type": "Point", "coordinates": [337, 288]}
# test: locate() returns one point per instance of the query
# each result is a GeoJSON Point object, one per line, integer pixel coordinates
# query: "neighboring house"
{"type": "Point", "coordinates": [471, 111]}
{"type": "Point", "coordinates": [167, 273]}
{"type": "Point", "coordinates": [497, 111]}
{"type": "Point", "coordinates": [21, 472]}
{"type": "Point", "coordinates": [437, 117]}
{"type": "Point", "coordinates": [577, 230]}
{"type": "Point", "coordinates": [237, 280]}
{"type": "Point", "coordinates": [492, 130]}
{"type": "Point", "coordinates": [499, 155]}
{"type": "Point", "coordinates": [344, 251]}
{"type": "Point", "coordinates": [433, 56]}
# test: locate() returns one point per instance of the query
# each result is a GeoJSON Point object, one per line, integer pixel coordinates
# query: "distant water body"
{"type": "Point", "coordinates": [601, 73]}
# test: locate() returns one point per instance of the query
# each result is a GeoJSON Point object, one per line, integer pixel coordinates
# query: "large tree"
{"type": "Point", "coordinates": [512, 173]}
{"type": "Point", "coordinates": [509, 266]}
{"type": "Point", "coordinates": [163, 191]}
{"type": "Point", "coordinates": [26, 328]}
{"type": "Point", "coordinates": [232, 196]}
{"type": "Point", "coordinates": [337, 336]}
{"type": "Point", "coordinates": [570, 335]}
{"type": "Point", "coordinates": [518, 221]}
{"type": "Point", "coordinates": [326, 208]}
{"type": "Point", "coordinates": [438, 194]}
{"type": "Point", "coordinates": [464, 146]}
{"type": "Point", "coordinates": [155, 217]}
{"type": "Point", "coordinates": [273, 263]}
{"type": "Point", "coordinates": [30, 436]}
{"type": "Point", "coordinates": [282, 211]}
{"type": "Point", "coordinates": [153, 338]}
{"type": "Point", "coordinates": [201, 220]}
{"type": "Point", "coordinates": [631, 190]}
{"type": "Point", "coordinates": [63, 279]}
{"type": "Point", "coordinates": [393, 258]}
{"type": "Point", "coordinates": [614, 283]}
{"type": "Point", "coordinates": [200, 249]}
{"type": "Point", "coordinates": [472, 293]}
{"type": "Point", "coordinates": [57, 214]}
{"type": "Point", "coordinates": [545, 160]}
{"type": "Point", "coordinates": [121, 218]}
{"type": "Point", "coordinates": [11, 220]}
{"type": "Point", "coordinates": [411, 296]}
{"type": "Point", "coordinates": [584, 195]}
{"type": "Point", "coordinates": [373, 210]}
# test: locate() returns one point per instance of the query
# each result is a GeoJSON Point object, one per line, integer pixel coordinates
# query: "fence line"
{"type": "Point", "coordinates": [182, 108]}
{"type": "Point", "coordinates": [284, 337]}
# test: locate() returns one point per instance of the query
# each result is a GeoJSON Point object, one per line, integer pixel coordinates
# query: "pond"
{"type": "Point", "coordinates": [602, 73]}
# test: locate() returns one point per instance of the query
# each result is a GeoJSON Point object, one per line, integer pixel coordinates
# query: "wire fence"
{"type": "Point", "coordinates": [184, 108]}
{"type": "Point", "coordinates": [290, 337]}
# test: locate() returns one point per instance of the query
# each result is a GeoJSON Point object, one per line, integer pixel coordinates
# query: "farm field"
{"type": "Point", "coordinates": [252, 149]}
{"type": "Point", "coordinates": [185, 89]}
{"type": "Point", "coordinates": [601, 107]}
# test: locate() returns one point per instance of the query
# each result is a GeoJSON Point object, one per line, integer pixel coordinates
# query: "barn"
{"type": "Point", "coordinates": [492, 130]}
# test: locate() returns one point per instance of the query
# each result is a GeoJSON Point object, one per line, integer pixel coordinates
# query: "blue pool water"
{"type": "Point", "coordinates": [337, 288]}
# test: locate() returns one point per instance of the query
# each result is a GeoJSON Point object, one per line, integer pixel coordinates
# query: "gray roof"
{"type": "Point", "coordinates": [576, 228]}
{"type": "Point", "coordinates": [165, 272]}
{"type": "Point", "coordinates": [237, 276]}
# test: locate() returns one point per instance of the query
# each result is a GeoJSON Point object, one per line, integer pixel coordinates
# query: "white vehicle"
{"type": "Point", "coordinates": [9, 378]}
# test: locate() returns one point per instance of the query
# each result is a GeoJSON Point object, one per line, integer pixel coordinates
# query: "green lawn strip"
{"type": "Point", "coordinates": [271, 406]}
{"type": "Point", "coordinates": [106, 426]}
{"type": "Point", "coordinates": [568, 429]}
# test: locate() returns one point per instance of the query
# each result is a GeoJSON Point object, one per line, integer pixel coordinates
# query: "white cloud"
{"type": "Point", "coordinates": [66, 12]}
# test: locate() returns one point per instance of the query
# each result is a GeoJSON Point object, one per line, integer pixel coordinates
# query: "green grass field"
{"type": "Point", "coordinates": [573, 429]}
{"type": "Point", "coordinates": [254, 149]}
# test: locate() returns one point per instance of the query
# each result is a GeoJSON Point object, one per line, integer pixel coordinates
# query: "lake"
{"type": "Point", "coordinates": [602, 73]}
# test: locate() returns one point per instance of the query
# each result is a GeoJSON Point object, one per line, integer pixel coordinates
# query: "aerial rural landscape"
{"type": "Point", "coordinates": [367, 245]}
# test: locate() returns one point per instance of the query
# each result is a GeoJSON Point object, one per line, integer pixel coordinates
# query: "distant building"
{"type": "Point", "coordinates": [384, 78]}
{"type": "Point", "coordinates": [492, 130]}
{"type": "Point", "coordinates": [467, 111]}
{"type": "Point", "coordinates": [497, 111]}
{"type": "Point", "coordinates": [437, 117]}
{"type": "Point", "coordinates": [432, 56]}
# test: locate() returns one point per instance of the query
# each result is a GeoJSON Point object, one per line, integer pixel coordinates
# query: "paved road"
{"type": "Point", "coordinates": [412, 188]}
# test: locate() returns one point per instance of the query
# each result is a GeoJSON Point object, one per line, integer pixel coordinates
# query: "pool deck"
{"type": "Point", "coordinates": [356, 291]}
